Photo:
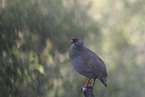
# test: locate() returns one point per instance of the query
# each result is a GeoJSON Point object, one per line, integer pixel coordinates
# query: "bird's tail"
{"type": "Point", "coordinates": [104, 81]}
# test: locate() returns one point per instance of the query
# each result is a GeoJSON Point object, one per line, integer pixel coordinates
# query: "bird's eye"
{"type": "Point", "coordinates": [75, 40]}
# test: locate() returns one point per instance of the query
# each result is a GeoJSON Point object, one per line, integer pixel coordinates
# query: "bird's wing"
{"type": "Point", "coordinates": [94, 62]}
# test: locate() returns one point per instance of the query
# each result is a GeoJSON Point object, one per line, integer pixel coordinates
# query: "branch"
{"type": "Point", "coordinates": [88, 92]}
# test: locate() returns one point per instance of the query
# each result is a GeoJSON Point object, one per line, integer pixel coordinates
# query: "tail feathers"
{"type": "Point", "coordinates": [104, 81]}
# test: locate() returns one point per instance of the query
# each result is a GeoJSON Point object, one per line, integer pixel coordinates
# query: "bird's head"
{"type": "Point", "coordinates": [77, 41]}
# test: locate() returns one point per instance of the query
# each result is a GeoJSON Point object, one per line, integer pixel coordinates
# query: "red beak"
{"type": "Point", "coordinates": [71, 41]}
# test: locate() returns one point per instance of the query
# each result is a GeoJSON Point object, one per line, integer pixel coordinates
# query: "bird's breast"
{"type": "Point", "coordinates": [74, 51]}
{"type": "Point", "coordinates": [79, 66]}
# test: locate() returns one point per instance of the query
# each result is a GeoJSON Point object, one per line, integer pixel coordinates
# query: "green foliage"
{"type": "Point", "coordinates": [32, 34]}
{"type": "Point", "coordinates": [34, 43]}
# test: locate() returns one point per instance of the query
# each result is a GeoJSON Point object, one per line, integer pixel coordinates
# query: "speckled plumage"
{"type": "Point", "coordinates": [87, 62]}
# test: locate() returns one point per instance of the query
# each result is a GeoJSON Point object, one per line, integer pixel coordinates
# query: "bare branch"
{"type": "Point", "coordinates": [88, 92]}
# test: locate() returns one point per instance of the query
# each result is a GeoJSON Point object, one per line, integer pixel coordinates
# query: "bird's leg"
{"type": "Point", "coordinates": [87, 82]}
{"type": "Point", "coordinates": [93, 82]}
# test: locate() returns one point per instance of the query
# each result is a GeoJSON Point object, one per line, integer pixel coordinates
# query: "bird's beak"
{"type": "Point", "coordinates": [71, 41]}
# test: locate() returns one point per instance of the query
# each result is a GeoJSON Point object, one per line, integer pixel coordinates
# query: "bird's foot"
{"type": "Point", "coordinates": [88, 87]}
{"type": "Point", "coordinates": [83, 87]}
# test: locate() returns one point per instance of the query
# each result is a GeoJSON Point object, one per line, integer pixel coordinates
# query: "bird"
{"type": "Point", "coordinates": [87, 63]}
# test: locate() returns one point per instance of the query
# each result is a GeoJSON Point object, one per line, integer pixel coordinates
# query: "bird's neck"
{"type": "Point", "coordinates": [75, 51]}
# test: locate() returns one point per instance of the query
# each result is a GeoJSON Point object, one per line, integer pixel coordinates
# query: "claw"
{"type": "Point", "coordinates": [86, 85]}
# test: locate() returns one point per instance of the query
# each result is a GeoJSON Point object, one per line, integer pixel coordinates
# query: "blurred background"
{"type": "Point", "coordinates": [34, 44]}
